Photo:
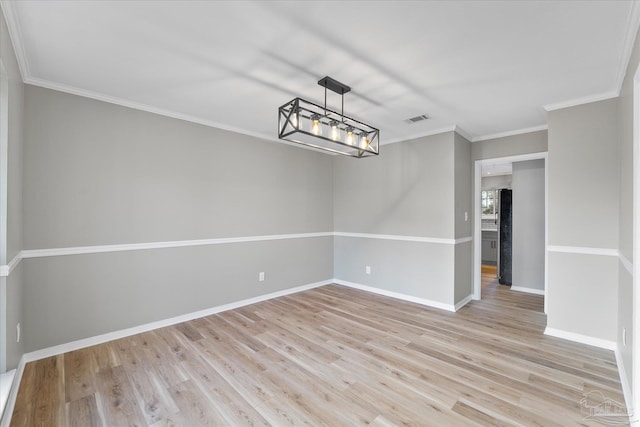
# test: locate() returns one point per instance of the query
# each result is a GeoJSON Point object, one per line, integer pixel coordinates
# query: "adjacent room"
{"type": "Point", "coordinates": [319, 213]}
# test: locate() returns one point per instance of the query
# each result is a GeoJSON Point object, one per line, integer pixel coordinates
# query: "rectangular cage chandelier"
{"type": "Point", "coordinates": [313, 125]}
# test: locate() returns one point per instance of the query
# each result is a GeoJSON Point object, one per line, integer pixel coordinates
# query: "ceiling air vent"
{"type": "Point", "coordinates": [417, 119]}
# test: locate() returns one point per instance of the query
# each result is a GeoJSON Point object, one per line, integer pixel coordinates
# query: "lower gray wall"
{"type": "Point", "coordinates": [15, 315]}
{"type": "Point", "coordinates": [80, 296]}
{"type": "Point", "coordinates": [582, 295]}
{"type": "Point", "coordinates": [417, 269]}
{"type": "Point", "coordinates": [528, 224]}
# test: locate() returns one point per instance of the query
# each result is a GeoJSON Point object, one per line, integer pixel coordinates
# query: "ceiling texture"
{"type": "Point", "coordinates": [484, 68]}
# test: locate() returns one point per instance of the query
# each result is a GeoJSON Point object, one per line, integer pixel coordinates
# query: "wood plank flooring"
{"type": "Point", "coordinates": [330, 356]}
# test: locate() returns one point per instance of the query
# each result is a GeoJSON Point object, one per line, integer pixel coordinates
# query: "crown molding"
{"type": "Point", "coordinates": [15, 34]}
{"type": "Point", "coordinates": [510, 133]}
{"type": "Point", "coordinates": [143, 107]}
{"type": "Point", "coordinates": [633, 23]}
{"type": "Point", "coordinates": [464, 133]}
{"type": "Point", "coordinates": [579, 101]}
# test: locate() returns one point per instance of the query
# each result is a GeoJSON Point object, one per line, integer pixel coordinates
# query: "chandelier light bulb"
{"type": "Point", "coordinates": [350, 137]}
{"type": "Point", "coordinates": [316, 127]}
{"type": "Point", "coordinates": [335, 130]}
{"type": "Point", "coordinates": [364, 142]}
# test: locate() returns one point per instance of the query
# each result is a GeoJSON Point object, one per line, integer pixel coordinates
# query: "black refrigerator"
{"type": "Point", "coordinates": [504, 237]}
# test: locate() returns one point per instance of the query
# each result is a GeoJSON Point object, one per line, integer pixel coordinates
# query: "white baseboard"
{"type": "Point", "coordinates": [528, 290]}
{"type": "Point", "coordinates": [99, 339]}
{"type": "Point", "coordinates": [626, 388]}
{"type": "Point", "coordinates": [5, 417]}
{"type": "Point", "coordinates": [397, 295]}
{"type": "Point", "coordinates": [6, 380]}
{"type": "Point", "coordinates": [582, 339]}
{"type": "Point", "coordinates": [466, 300]}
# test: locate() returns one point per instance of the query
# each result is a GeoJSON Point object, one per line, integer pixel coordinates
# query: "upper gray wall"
{"type": "Point", "coordinates": [525, 143]}
{"type": "Point", "coordinates": [98, 173]}
{"type": "Point", "coordinates": [583, 175]}
{"type": "Point", "coordinates": [464, 226]}
{"type": "Point", "coordinates": [528, 224]}
{"type": "Point", "coordinates": [463, 187]}
{"type": "Point", "coordinates": [408, 190]}
{"type": "Point", "coordinates": [496, 181]}
{"type": "Point", "coordinates": [583, 212]}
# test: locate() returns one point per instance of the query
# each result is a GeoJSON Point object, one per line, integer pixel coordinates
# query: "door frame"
{"type": "Point", "coordinates": [477, 217]}
{"type": "Point", "coordinates": [635, 360]}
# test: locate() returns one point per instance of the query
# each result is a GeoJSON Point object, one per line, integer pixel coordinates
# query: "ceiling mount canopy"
{"type": "Point", "coordinates": [313, 125]}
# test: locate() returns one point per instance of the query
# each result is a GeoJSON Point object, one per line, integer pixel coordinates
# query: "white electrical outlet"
{"type": "Point", "coordinates": [367, 269]}
{"type": "Point", "coordinates": [466, 216]}
{"type": "Point", "coordinates": [261, 276]}
{"type": "Point", "coordinates": [18, 332]}
{"type": "Point", "coordinates": [624, 336]}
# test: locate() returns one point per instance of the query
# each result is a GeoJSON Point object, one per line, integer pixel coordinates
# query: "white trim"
{"type": "Point", "coordinates": [635, 364]}
{"type": "Point", "coordinates": [5, 418]}
{"type": "Point", "coordinates": [580, 101]}
{"type": "Point", "coordinates": [463, 133]}
{"type": "Point", "coordinates": [582, 339]}
{"type": "Point", "coordinates": [5, 270]}
{"type": "Point", "coordinates": [633, 23]}
{"type": "Point", "coordinates": [583, 250]}
{"type": "Point", "coordinates": [397, 295]}
{"type": "Point", "coordinates": [626, 263]}
{"type": "Point", "coordinates": [99, 339]}
{"type": "Point", "coordinates": [626, 389]}
{"type": "Point", "coordinates": [510, 133]}
{"type": "Point", "coordinates": [404, 238]}
{"type": "Point", "coordinates": [466, 300]}
{"type": "Point", "coordinates": [527, 290]}
{"type": "Point", "coordinates": [144, 107]}
{"type": "Point", "coordinates": [15, 34]}
{"type": "Point", "coordinates": [6, 380]}
{"type": "Point", "coordinates": [79, 250]}
{"type": "Point", "coordinates": [464, 240]}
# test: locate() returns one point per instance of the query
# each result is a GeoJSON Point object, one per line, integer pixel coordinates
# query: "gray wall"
{"type": "Point", "coordinates": [464, 226]}
{"type": "Point", "coordinates": [625, 218]}
{"type": "Point", "coordinates": [528, 224]}
{"type": "Point", "coordinates": [12, 287]}
{"type": "Point", "coordinates": [583, 212]}
{"type": "Point", "coordinates": [80, 296]}
{"type": "Point", "coordinates": [97, 173]}
{"type": "Point", "coordinates": [408, 190]}
{"type": "Point", "coordinates": [496, 181]}
{"type": "Point", "coordinates": [525, 143]}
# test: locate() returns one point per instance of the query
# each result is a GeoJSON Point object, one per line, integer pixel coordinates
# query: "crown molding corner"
{"type": "Point", "coordinates": [633, 24]}
{"type": "Point", "coordinates": [580, 101]}
{"type": "Point", "coordinates": [15, 34]}
{"type": "Point", "coordinates": [510, 133]}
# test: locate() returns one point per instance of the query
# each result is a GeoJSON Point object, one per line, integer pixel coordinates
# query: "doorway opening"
{"type": "Point", "coordinates": [495, 217]}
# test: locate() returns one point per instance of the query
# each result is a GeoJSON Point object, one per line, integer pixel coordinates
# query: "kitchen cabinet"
{"type": "Point", "coordinates": [489, 247]}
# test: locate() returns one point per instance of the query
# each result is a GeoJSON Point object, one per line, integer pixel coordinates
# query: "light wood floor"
{"type": "Point", "coordinates": [330, 356]}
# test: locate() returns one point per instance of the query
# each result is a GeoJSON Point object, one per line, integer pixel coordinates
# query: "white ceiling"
{"type": "Point", "coordinates": [486, 68]}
